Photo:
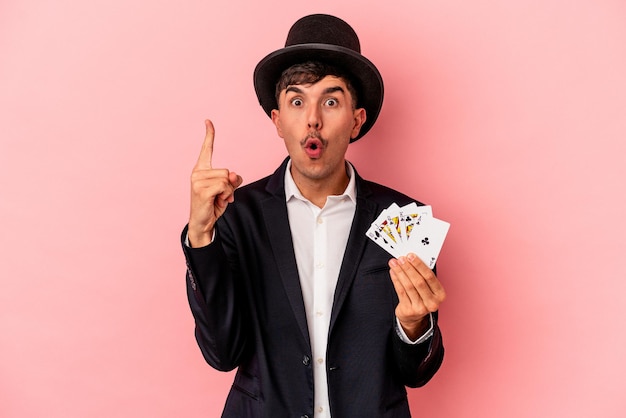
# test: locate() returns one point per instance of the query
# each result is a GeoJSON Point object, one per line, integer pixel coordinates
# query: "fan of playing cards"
{"type": "Point", "coordinates": [409, 229]}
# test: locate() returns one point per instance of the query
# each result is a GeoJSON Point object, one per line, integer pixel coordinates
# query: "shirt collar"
{"type": "Point", "coordinates": [291, 190]}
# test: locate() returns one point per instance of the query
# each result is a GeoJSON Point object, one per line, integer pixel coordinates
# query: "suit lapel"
{"type": "Point", "coordinates": [363, 216]}
{"type": "Point", "coordinates": [275, 215]}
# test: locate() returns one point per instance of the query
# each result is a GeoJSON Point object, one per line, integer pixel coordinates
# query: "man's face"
{"type": "Point", "coordinates": [317, 121]}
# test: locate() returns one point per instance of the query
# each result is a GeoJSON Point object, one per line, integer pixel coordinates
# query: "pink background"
{"type": "Point", "coordinates": [508, 117]}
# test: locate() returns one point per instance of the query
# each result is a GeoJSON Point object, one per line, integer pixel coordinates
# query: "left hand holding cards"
{"type": "Point", "coordinates": [419, 294]}
{"type": "Point", "coordinates": [414, 237]}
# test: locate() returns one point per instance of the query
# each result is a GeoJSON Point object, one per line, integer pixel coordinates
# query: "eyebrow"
{"type": "Point", "coordinates": [293, 89]}
{"type": "Point", "coordinates": [334, 90]}
{"type": "Point", "coordinates": [329, 90]}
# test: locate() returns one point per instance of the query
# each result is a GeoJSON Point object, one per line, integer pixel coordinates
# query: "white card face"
{"type": "Point", "coordinates": [427, 238]}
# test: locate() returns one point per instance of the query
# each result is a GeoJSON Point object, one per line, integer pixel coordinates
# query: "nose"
{"type": "Point", "coordinates": [314, 118]}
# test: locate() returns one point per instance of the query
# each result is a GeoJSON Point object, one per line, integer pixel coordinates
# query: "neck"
{"type": "Point", "coordinates": [317, 190]}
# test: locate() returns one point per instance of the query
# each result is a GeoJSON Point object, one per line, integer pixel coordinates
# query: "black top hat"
{"type": "Point", "coordinates": [330, 40]}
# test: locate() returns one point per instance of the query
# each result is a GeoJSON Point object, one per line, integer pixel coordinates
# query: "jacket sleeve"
{"type": "Point", "coordinates": [417, 364]}
{"type": "Point", "coordinates": [216, 301]}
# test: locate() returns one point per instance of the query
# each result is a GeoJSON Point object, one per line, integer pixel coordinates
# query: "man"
{"type": "Point", "coordinates": [282, 282]}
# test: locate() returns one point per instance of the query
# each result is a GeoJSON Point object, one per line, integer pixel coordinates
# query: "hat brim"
{"type": "Point", "coordinates": [369, 83]}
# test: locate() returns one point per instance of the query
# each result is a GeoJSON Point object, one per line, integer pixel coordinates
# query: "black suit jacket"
{"type": "Point", "coordinates": [245, 296]}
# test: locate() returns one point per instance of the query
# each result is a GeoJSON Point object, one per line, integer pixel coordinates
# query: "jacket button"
{"type": "Point", "coordinates": [306, 360]}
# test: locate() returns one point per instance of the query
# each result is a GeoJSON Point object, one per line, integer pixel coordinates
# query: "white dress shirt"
{"type": "Point", "coordinates": [319, 239]}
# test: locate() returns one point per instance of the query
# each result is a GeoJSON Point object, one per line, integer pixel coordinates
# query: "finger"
{"type": "Point", "coordinates": [235, 179]}
{"type": "Point", "coordinates": [210, 185]}
{"type": "Point", "coordinates": [405, 291]}
{"type": "Point", "coordinates": [403, 284]}
{"type": "Point", "coordinates": [213, 173]}
{"type": "Point", "coordinates": [206, 153]}
{"type": "Point", "coordinates": [425, 282]}
{"type": "Point", "coordinates": [226, 196]}
{"type": "Point", "coordinates": [429, 276]}
{"type": "Point", "coordinates": [410, 307]}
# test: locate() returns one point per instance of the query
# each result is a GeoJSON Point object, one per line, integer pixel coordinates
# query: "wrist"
{"type": "Point", "coordinates": [200, 238]}
{"type": "Point", "coordinates": [415, 329]}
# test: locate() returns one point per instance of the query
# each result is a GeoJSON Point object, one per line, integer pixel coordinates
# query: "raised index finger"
{"type": "Point", "coordinates": [206, 153]}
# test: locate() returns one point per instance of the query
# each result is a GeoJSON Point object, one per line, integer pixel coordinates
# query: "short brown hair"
{"type": "Point", "coordinates": [311, 72]}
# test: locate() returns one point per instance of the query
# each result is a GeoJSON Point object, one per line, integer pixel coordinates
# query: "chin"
{"type": "Point", "coordinates": [312, 169]}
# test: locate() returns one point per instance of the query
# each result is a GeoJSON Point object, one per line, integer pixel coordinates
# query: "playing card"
{"type": "Point", "coordinates": [410, 215]}
{"type": "Point", "coordinates": [383, 240]}
{"type": "Point", "coordinates": [393, 223]}
{"type": "Point", "coordinates": [382, 230]}
{"type": "Point", "coordinates": [427, 238]}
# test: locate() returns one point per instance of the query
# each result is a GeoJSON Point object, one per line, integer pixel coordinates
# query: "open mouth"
{"type": "Point", "coordinates": [314, 147]}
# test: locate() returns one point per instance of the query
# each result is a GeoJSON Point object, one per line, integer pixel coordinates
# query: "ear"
{"type": "Point", "coordinates": [359, 120]}
{"type": "Point", "coordinates": [276, 120]}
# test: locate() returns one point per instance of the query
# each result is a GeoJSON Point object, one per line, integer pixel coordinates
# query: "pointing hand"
{"type": "Point", "coordinates": [211, 192]}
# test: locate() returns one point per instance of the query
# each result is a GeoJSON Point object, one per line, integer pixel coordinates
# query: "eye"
{"type": "Point", "coordinates": [296, 102]}
{"type": "Point", "coordinates": [332, 102]}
